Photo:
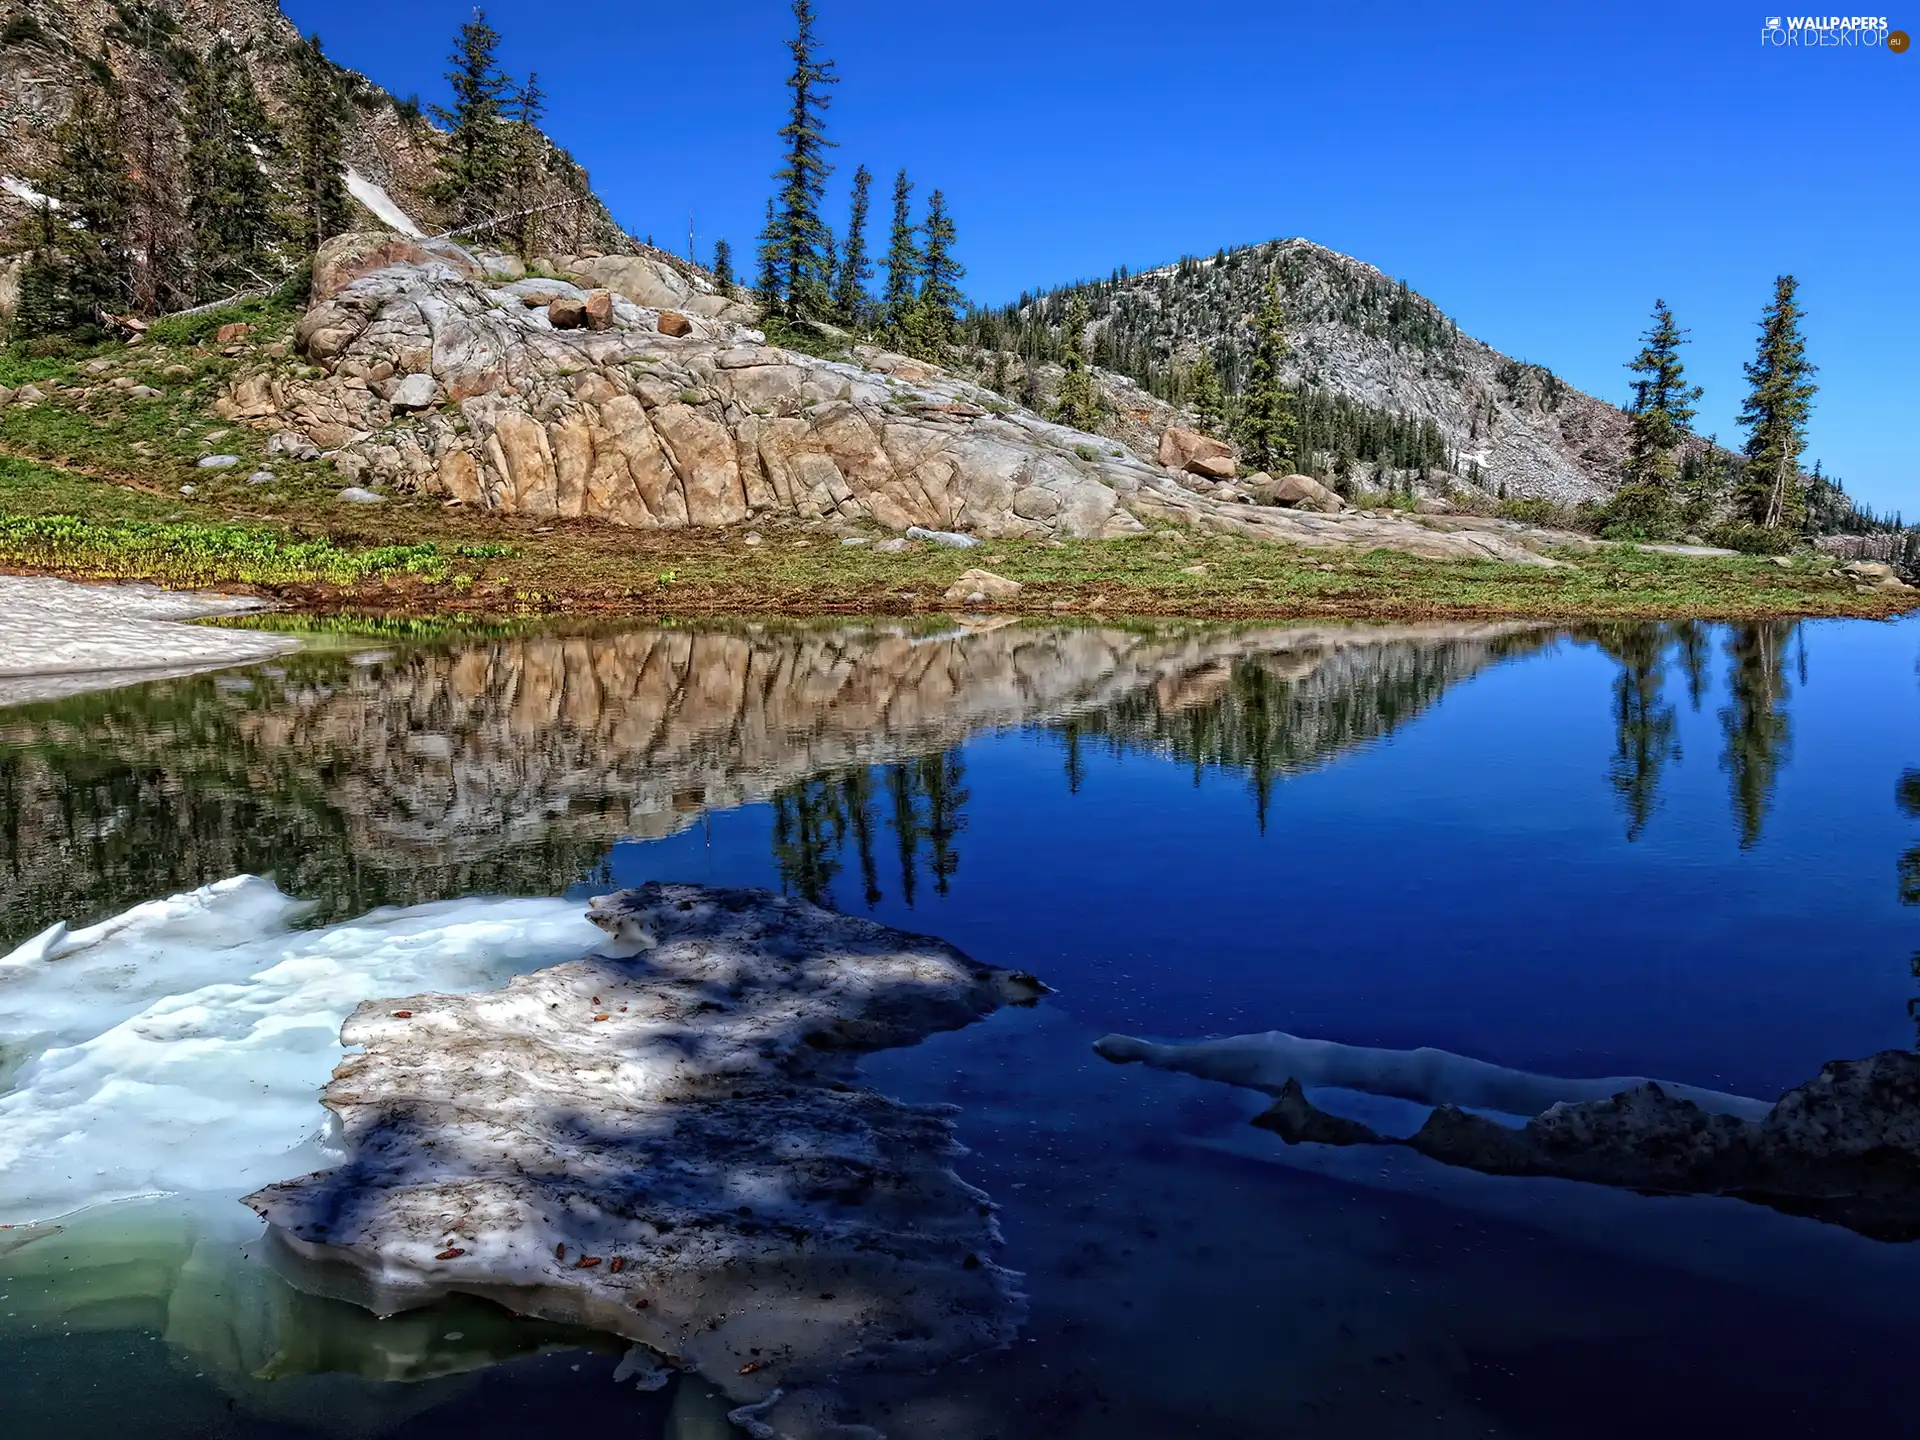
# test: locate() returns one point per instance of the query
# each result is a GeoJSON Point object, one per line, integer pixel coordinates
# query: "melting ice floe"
{"type": "Point", "coordinates": [179, 1048]}
{"type": "Point", "coordinates": [663, 1141]}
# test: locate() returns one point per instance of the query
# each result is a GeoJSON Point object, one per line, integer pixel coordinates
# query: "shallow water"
{"type": "Point", "coordinates": [1669, 850]}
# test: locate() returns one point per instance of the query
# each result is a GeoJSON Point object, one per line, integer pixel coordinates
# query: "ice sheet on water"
{"type": "Point", "coordinates": [180, 1048]}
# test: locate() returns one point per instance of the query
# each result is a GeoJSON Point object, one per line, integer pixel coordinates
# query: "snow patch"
{"type": "Point", "coordinates": [21, 190]}
{"type": "Point", "coordinates": [180, 1048]}
{"type": "Point", "coordinates": [382, 205]}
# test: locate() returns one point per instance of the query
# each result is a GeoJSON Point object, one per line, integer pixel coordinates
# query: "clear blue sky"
{"type": "Point", "coordinates": [1542, 172]}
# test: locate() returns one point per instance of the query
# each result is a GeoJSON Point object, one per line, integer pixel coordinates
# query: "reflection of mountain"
{"type": "Point", "coordinates": [510, 765]}
{"type": "Point", "coordinates": [1280, 709]}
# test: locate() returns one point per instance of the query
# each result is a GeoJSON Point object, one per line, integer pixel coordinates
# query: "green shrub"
{"type": "Point", "coordinates": [1751, 539]}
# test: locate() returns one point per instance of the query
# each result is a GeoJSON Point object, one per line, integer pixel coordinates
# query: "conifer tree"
{"type": "Point", "coordinates": [850, 299]}
{"type": "Point", "coordinates": [903, 259]}
{"type": "Point", "coordinates": [1266, 409]}
{"type": "Point", "coordinates": [1776, 411]}
{"type": "Point", "coordinates": [767, 285]}
{"type": "Point", "coordinates": [230, 205]}
{"type": "Point", "coordinates": [321, 206]}
{"type": "Point", "coordinates": [526, 149]}
{"type": "Point", "coordinates": [84, 236]}
{"type": "Point", "coordinates": [799, 236]}
{"type": "Point", "coordinates": [940, 275]}
{"type": "Point", "coordinates": [723, 267]}
{"type": "Point", "coordinates": [1209, 401]}
{"type": "Point", "coordinates": [1079, 402]}
{"type": "Point", "coordinates": [1658, 417]}
{"type": "Point", "coordinates": [474, 165]}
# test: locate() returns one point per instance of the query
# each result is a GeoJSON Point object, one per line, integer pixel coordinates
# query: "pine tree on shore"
{"type": "Point", "coordinates": [903, 260]}
{"type": "Point", "coordinates": [1778, 404]}
{"type": "Point", "coordinates": [1266, 409]}
{"type": "Point", "coordinates": [723, 268]}
{"type": "Point", "coordinates": [1658, 419]}
{"type": "Point", "coordinates": [1209, 400]}
{"type": "Point", "coordinates": [940, 275]}
{"type": "Point", "coordinates": [322, 208]}
{"type": "Point", "coordinates": [1079, 402]}
{"type": "Point", "coordinates": [477, 159]}
{"type": "Point", "coordinates": [230, 208]}
{"type": "Point", "coordinates": [850, 299]}
{"type": "Point", "coordinates": [799, 236]}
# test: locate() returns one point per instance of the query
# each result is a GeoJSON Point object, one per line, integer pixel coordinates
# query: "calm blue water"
{"type": "Point", "coordinates": [1660, 850]}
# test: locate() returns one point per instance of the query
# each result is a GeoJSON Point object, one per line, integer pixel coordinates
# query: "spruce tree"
{"type": "Point", "coordinates": [903, 260]}
{"type": "Point", "coordinates": [1209, 400]}
{"type": "Point", "coordinates": [230, 204]}
{"type": "Point", "coordinates": [526, 149]}
{"type": "Point", "coordinates": [322, 208]}
{"type": "Point", "coordinates": [1079, 402]}
{"type": "Point", "coordinates": [940, 274]}
{"type": "Point", "coordinates": [856, 269]}
{"type": "Point", "coordinates": [475, 164]}
{"type": "Point", "coordinates": [1658, 417]}
{"type": "Point", "coordinates": [1776, 411]}
{"type": "Point", "coordinates": [723, 268]}
{"type": "Point", "coordinates": [767, 285]}
{"type": "Point", "coordinates": [1266, 409]}
{"type": "Point", "coordinates": [85, 234]}
{"type": "Point", "coordinates": [799, 236]}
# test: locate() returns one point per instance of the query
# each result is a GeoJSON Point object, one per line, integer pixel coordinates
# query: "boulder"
{"type": "Point", "coordinates": [652, 282]}
{"type": "Point", "coordinates": [673, 323]}
{"type": "Point", "coordinates": [949, 538]}
{"type": "Point", "coordinates": [1301, 492]}
{"type": "Point", "coordinates": [416, 392]}
{"type": "Point", "coordinates": [599, 310]}
{"type": "Point", "coordinates": [567, 313]}
{"type": "Point", "coordinates": [355, 495]}
{"type": "Point", "coordinates": [1196, 454]}
{"type": "Point", "coordinates": [346, 258]}
{"type": "Point", "coordinates": [219, 462]}
{"type": "Point", "coordinates": [982, 587]}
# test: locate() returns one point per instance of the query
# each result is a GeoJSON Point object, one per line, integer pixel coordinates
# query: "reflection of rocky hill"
{"type": "Point", "coordinates": [510, 765]}
{"type": "Point", "coordinates": [1278, 711]}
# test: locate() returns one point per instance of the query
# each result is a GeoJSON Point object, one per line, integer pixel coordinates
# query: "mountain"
{"type": "Point", "coordinates": [1387, 385]}
{"type": "Point", "coordinates": [51, 50]}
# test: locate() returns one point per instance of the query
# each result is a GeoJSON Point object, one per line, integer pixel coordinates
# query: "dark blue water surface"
{"type": "Point", "coordinates": [1668, 850]}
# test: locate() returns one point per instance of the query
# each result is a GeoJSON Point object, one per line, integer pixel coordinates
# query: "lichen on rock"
{"type": "Point", "coordinates": [663, 1142]}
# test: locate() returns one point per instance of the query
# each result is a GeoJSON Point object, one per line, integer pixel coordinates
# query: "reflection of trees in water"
{"type": "Point", "coordinates": [1754, 722]}
{"type": "Point", "coordinates": [1754, 725]}
{"type": "Point", "coordinates": [1272, 715]}
{"type": "Point", "coordinates": [815, 820]}
{"type": "Point", "coordinates": [1646, 727]}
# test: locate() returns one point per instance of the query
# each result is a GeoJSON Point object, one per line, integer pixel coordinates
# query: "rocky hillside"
{"type": "Point", "coordinates": [51, 49]}
{"type": "Point", "coordinates": [1390, 390]}
{"type": "Point", "coordinates": [434, 371]}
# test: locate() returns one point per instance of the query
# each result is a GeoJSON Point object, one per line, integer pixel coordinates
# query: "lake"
{"type": "Point", "coordinates": [1674, 850]}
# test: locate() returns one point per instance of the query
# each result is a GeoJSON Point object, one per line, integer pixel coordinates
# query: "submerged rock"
{"type": "Point", "coordinates": [661, 1142]}
{"type": "Point", "coordinates": [1844, 1147]}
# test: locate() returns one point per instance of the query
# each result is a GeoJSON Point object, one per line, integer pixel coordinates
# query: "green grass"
{"type": "Point", "coordinates": [91, 487]}
{"type": "Point", "coordinates": [197, 553]}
